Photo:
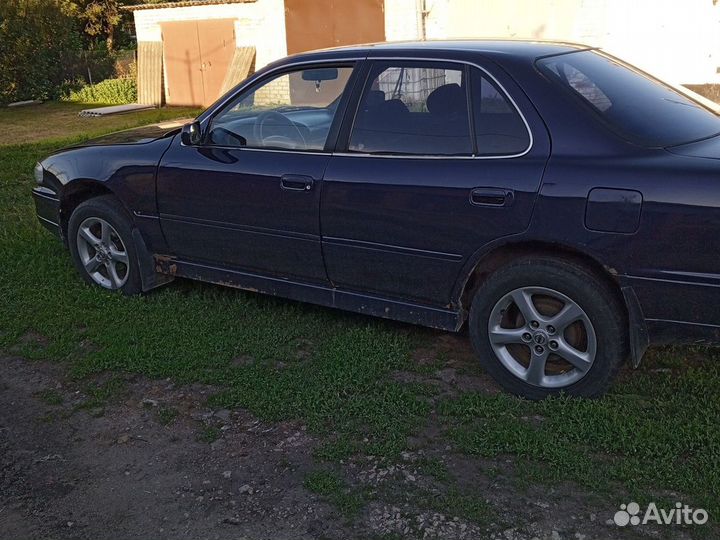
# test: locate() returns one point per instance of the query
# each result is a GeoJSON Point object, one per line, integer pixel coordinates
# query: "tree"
{"type": "Point", "coordinates": [100, 20]}
{"type": "Point", "coordinates": [98, 17]}
{"type": "Point", "coordinates": [102, 17]}
{"type": "Point", "coordinates": [40, 48]}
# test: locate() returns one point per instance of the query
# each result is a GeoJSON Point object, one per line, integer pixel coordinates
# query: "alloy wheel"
{"type": "Point", "coordinates": [103, 253]}
{"type": "Point", "coordinates": [542, 337]}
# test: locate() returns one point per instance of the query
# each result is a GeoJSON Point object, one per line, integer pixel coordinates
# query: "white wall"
{"type": "Point", "coordinates": [677, 40]}
{"type": "Point", "coordinates": [402, 18]}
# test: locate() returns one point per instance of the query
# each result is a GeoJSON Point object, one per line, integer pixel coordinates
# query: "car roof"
{"type": "Point", "coordinates": [528, 49]}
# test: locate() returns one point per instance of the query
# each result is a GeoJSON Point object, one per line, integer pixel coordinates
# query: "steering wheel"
{"type": "Point", "coordinates": [270, 128]}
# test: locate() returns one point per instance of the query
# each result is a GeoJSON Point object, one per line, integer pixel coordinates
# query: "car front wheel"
{"type": "Point", "coordinates": [542, 326]}
{"type": "Point", "coordinates": [100, 241]}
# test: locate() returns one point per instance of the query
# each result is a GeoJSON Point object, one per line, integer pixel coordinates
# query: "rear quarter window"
{"type": "Point", "coordinates": [499, 128]}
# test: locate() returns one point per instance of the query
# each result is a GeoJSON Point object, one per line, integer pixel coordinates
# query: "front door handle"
{"type": "Point", "coordinates": [491, 197]}
{"type": "Point", "coordinates": [296, 182]}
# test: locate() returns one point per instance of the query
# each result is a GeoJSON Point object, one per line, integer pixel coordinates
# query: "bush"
{"type": "Point", "coordinates": [109, 92]}
{"type": "Point", "coordinates": [39, 49]}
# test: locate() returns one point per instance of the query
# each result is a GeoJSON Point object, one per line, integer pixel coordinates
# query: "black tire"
{"type": "Point", "coordinates": [110, 210]}
{"type": "Point", "coordinates": [592, 294]}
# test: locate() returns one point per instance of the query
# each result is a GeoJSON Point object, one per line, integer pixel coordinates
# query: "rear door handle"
{"type": "Point", "coordinates": [491, 197]}
{"type": "Point", "coordinates": [296, 182]}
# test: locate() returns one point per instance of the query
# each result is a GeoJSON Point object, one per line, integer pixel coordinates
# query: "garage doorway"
{"type": "Point", "coordinates": [331, 23]}
{"type": "Point", "coordinates": [197, 55]}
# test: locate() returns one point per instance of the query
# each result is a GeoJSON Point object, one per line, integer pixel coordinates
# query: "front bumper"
{"type": "Point", "coordinates": [47, 206]}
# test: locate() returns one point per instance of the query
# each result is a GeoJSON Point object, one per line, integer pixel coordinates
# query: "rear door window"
{"type": "Point", "coordinates": [413, 108]}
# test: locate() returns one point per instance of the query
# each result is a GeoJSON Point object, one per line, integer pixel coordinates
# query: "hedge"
{"type": "Point", "coordinates": [109, 92]}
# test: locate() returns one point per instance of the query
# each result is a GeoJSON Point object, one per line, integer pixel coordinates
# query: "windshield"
{"type": "Point", "coordinates": [633, 104]}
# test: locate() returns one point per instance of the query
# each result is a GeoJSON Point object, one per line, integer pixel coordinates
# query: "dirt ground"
{"type": "Point", "coordinates": [122, 470]}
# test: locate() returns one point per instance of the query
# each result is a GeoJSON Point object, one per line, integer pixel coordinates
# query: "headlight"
{"type": "Point", "coordinates": [39, 174]}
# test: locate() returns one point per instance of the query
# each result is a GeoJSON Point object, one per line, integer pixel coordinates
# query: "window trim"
{"type": "Point", "coordinates": [360, 65]}
{"type": "Point", "coordinates": [502, 92]}
{"type": "Point", "coordinates": [353, 63]}
{"type": "Point", "coordinates": [467, 73]}
{"type": "Point", "coordinates": [356, 105]}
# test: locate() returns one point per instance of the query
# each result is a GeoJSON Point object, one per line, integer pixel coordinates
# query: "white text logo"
{"type": "Point", "coordinates": [681, 514]}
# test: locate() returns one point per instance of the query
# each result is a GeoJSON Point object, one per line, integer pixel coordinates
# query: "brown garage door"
{"type": "Point", "coordinates": [330, 23]}
{"type": "Point", "coordinates": [197, 55]}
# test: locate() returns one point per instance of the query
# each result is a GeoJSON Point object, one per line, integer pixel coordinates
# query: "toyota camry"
{"type": "Point", "coordinates": [562, 205]}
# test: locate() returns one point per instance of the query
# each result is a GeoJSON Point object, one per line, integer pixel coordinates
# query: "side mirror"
{"type": "Point", "coordinates": [190, 134]}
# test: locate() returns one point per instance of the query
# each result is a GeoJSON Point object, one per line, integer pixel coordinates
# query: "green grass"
{"type": "Point", "coordinates": [454, 503]}
{"type": "Point", "coordinates": [332, 488]}
{"type": "Point", "coordinates": [166, 415]}
{"type": "Point", "coordinates": [98, 395]}
{"type": "Point", "coordinates": [50, 397]}
{"type": "Point", "coordinates": [656, 432]}
{"type": "Point", "coordinates": [434, 468]}
{"type": "Point", "coordinates": [60, 120]}
{"type": "Point", "coordinates": [209, 434]}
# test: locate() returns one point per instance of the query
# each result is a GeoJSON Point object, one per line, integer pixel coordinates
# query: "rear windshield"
{"type": "Point", "coordinates": [633, 104]}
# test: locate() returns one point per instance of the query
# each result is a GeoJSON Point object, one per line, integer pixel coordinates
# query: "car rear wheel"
{"type": "Point", "coordinates": [101, 244]}
{"type": "Point", "coordinates": [542, 326]}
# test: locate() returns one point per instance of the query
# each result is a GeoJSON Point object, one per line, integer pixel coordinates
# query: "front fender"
{"type": "Point", "coordinates": [126, 170]}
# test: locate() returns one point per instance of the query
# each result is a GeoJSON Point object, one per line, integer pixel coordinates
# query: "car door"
{"type": "Point", "coordinates": [438, 162]}
{"type": "Point", "coordinates": [248, 196]}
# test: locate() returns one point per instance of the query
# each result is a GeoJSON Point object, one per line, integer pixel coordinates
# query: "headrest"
{"type": "Point", "coordinates": [374, 98]}
{"type": "Point", "coordinates": [394, 106]}
{"type": "Point", "coordinates": [447, 99]}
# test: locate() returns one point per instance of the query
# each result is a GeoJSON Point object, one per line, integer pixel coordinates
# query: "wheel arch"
{"type": "Point", "coordinates": [499, 256]}
{"type": "Point", "coordinates": [75, 193]}
{"type": "Point", "coordinates": [80, 190]}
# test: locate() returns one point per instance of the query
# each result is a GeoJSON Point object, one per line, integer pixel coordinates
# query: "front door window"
{"type": "Point", "coordinates": [291, 111]}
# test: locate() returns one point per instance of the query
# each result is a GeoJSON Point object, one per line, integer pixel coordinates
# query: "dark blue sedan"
{"type": "Point", "coordinates": [560, 202]}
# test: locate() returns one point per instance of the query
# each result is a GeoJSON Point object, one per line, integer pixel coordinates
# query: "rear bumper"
{"type": "Point", "coordinates": [47, 207]}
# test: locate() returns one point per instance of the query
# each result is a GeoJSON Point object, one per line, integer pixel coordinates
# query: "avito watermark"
{"type": "Point", "coordinates": [681, 514]}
